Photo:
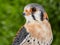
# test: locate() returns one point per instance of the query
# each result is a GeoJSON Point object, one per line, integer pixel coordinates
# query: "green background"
{"type": "Point", "coordinates": [11, 18]}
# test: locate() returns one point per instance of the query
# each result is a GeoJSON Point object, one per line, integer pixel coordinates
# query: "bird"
{"type": "Point", "coordinates": [37, 29]}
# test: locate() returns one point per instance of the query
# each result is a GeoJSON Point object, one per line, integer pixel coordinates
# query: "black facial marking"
{"type": "Point", "coordinates": [33, 9]}
{"type": "Point", "coordinates": [33, 17]}
{"type": "Point", "coordinates": [42, 16]}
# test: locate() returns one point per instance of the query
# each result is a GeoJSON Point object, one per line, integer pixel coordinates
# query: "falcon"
{"type": "Point", "coordinates": [37, 29]}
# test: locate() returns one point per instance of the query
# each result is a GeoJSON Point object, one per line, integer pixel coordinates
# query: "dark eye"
{"type": "Point", "coordinates": [23, 13]}
{"type": "Point", "coordinates": [33, 9]}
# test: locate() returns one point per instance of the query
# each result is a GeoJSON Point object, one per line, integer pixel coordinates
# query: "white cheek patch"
{"type": "Point", "coordinates": [37, 15]}
{"type": "Point", "coordinates": [29, 18]}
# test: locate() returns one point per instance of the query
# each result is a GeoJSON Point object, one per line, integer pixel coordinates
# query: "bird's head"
{"type": "Point", "coordinates": [34, 12]}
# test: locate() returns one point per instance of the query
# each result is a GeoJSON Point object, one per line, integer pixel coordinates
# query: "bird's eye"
{"type": "Point", "coordinates": [33, 9]}
{"type": "Point", "coordinates": [23, 13]}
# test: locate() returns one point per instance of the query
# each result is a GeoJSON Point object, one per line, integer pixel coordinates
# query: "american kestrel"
{"type": "Point", "coordinates": [37, 29]}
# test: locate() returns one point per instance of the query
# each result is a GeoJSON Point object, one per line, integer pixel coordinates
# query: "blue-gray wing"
{"type": "Point", "coordinates": [20, 36]}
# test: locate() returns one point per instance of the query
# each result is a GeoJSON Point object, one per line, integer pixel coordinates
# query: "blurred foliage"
{"type": "Point", "coordinates": [11, 18]}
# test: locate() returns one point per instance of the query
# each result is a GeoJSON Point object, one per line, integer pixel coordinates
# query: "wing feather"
{"type": "Point", "coordinates": [20, 36]}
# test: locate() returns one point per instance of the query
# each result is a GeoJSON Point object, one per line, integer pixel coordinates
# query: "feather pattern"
{"type": "Point", "coordinates": [37, 29]}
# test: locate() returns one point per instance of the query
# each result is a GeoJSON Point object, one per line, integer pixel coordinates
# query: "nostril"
{"type": "Point", "coordinates": [23, 13]}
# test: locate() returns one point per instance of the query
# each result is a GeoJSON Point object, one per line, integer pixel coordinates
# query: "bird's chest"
{"type": "Point", "coordinates": [38, 30]}
{"type": "Point", "coordinates": [39, 34]}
